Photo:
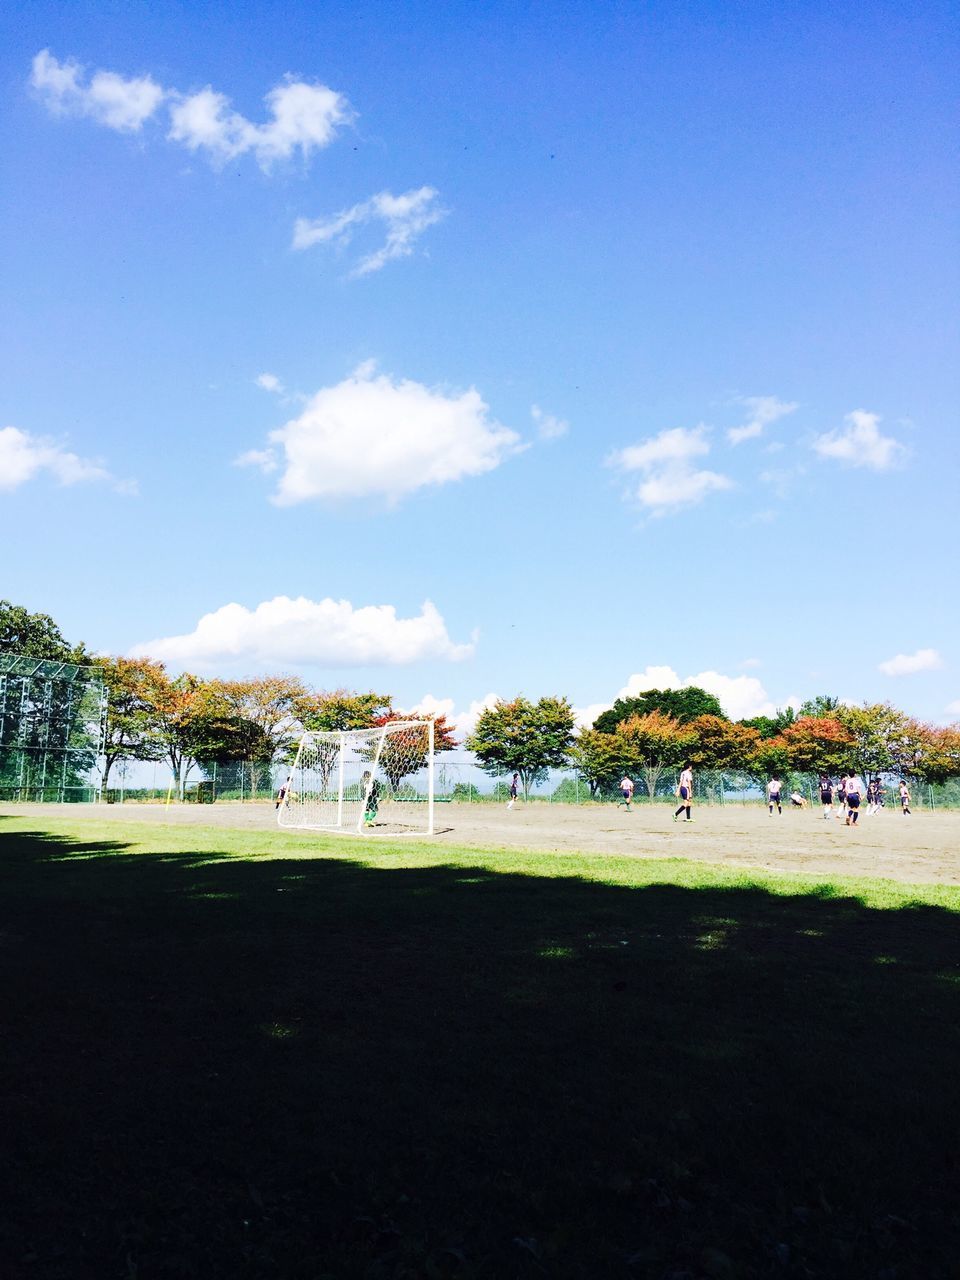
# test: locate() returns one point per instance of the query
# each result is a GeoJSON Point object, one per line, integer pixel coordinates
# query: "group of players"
{"type": "Point", "coordinates": [849, 792]}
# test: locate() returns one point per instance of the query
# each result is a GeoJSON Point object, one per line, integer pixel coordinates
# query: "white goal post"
{"type": "Point", "coordinates": [376, 781]}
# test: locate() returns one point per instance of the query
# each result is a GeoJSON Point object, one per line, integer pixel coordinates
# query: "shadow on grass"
{"type": "Point", "coordinates": [224, 1068]}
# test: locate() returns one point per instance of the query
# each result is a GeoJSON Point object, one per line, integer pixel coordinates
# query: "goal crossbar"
{"type": "Point", "coordinates": [377, 781]}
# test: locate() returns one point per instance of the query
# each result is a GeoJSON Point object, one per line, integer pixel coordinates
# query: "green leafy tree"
{"type": "Point", "coordinates": [682, 705]}
{"type": "Point", "coordinates": [523, 737]}
{"type": "Point", "coordinates": [328, 712]}
{"type": "Point", "coordinates": [885, 739]}
{"type": "Point", "coordinates": [35, 635]}
{"type": "Point", "coordinates": [771, 726]}
{"type": "Point", "coordinates": [824, 705]}
{"type": "Point", "coordinates": [134, 686]}
{"type": "Point", "coordinates": [598, 758]}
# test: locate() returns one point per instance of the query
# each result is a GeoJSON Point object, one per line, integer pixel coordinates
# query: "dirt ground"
{"type": "Point", "coordinates": [921, 849]}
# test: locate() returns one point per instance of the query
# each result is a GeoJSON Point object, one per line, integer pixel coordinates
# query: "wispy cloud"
{"type": "Point", "coordinates": [370, 435]}
{"type": "Point", "coordinates": [405, 218]}
{"type": "Point", "coordinates": [907, 664]}
{"type": "Point", "coordinates": [304, 632]}
{"type": "Point", "coordinates": [548, 427]}
{"type": "Point", "coordinates": [670, 480]}
{"type": "Point", "coordinates": [762, 411]}
{"type": "Point", "coordinates": [302, 117]}
{"type": "Point", "coordinates": [24, 457]}
{"type": "Point", "coordinates": [106, 97]}
{"type": "Point", "coordinates": [860, 443]}
{"type": "Point", "coordinates": [270, 382]}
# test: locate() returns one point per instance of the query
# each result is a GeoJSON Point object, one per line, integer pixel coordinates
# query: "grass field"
{"type": "Point", "coordinates": [243, 1053]}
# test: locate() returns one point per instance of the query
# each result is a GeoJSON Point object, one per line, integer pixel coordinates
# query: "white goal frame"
{"type": "Point", "coordinates": [322, 798]}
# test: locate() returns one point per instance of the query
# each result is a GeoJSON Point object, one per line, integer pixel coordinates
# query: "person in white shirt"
{"type": "Point", "coordinates": [904, 791]}
{"type": "Point", "coordinates": [797, 801]}
{"type": "Point", "coordinates": [685, 792]}
{"type": "Point", "coordinates": [626, 792]}
{"type": "Point", "coordinates": [854, 792]}
{"type": "Point", "coordinates": [773, 794]}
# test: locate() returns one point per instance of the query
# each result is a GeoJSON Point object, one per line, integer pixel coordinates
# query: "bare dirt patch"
{"type": "Point", "coordinates": [921, 849]}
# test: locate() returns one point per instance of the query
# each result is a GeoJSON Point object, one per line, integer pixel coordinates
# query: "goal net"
{"type": "Point", "coordinates": [376, 781]}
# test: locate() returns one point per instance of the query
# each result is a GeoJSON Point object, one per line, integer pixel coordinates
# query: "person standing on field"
{"type": "Point", "coordinates": [853, 794]}
{"type": "Point", "coordinates": [626, 792]}
{"type": "Point", "coordinates": [773, 794]}
{"type": "Point", "coordinates": [685, 792]}
{"type": "Point", "coordinates": [842, 797]}
{"type": "Point", "coordinates": [514, 790]}
{"type": "Point", "coordinates": [904, 798]}
{"type": "Point", "coordinates": [826, 796]}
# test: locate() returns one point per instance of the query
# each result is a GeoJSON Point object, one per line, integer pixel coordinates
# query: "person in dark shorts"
{"type": "Point", "coordinates": [826, 796]}
{"type": "Point", "coordinates": [773, 794]}
{"type": "Point", "coordinates": [626, 793]}
{"type": "Point", "coordinates": [514, 790]}
{"type": "Point", "coordinates": [904, 791]}
{"type": "Point", "coordinates": [853, 794]}
{"type": "Point", "coordinates": [685, 792]}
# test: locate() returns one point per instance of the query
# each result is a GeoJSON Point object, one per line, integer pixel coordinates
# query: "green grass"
{"type": "Point", "coordinates": [253, 1055]}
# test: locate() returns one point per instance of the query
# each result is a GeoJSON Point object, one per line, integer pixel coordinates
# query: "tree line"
{"type": "Point", "coordinates": [186, 720]}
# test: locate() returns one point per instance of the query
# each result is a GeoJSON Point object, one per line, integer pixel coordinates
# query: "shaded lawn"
{"type": "Point", "coordinates": [218, 1066]}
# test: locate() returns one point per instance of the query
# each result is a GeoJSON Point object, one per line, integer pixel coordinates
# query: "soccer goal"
{"type": "Point", "coordinates": [375, 781]}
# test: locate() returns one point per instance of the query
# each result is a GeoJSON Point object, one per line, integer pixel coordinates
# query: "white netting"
{"type": "Point", "coordinates": [378, 781]}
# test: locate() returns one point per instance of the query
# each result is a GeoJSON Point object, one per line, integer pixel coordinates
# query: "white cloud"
{"type": "Point", "coordinates": [670, 480]}
{"type": "Point", "coordinates": [108, 98]}
{"type": "Point", "coordinates": [24, 456]}
{"type": "Point", "coordinates": [270, 382]}
{"type": "Point", "coordinates": [762, 410]}
{"type": "Point", "coordinates": [297, 632]}
{"type": "Point", "coordinates": [370, 436]}
{"type": "Point", "coordinates": [953, 708]}
{"type": "Point", "coordinates": [861, 444]}
{"type": "Point", "coordinates": [907, 664]}
{"type": "Point", "coordinates": [464, 722]}
{"type": "Point", "coordinates": [548, 427]}
{"type": "Point", "coordinates": [302, 117]}
{"type": "Point", "coordinates": [749, 664]}
{"type": "Point", "coordinates": [741, 697]}
{"type": "Point", "coordinates": [405, 217]}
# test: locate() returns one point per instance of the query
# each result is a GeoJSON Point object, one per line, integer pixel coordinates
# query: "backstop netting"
{"type": "Point", "coordinates": [52, 729]}
{"type": "Point", "coordinates": [377, 781]}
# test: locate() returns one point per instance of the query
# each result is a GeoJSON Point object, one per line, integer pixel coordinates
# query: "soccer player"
{"type": "Point", "coordinates": [773, 794]}
{"type": "Point", "coordinates": [854, 790]}
{"type": "Point", "coordinates": [685, 792]}
{"type": "Point", "coordinates": [904, 791]}
{"type": "Point", "coordinates": [626, 793]}
{"type": "Point", "coordinates": [797, 801]}
{"type": "Point", "coordinates": [371, 791]}
{"type": "Point", "coordinates": [826, 796]}
{"type": "Point", "coordinates": [514, 790]}
{"type": "Point", "coordinates": [842, 797]}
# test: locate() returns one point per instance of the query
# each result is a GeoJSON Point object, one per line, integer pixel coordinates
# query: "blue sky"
{"type": "Point", "coordinates": [624, 335]}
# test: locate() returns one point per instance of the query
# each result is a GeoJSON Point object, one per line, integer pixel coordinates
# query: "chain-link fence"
{"type": "Point", "coordinates": [458, 777]}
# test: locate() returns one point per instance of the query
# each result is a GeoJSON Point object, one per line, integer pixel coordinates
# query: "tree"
{"type": "Point", "coordinates": [682, 705]}
{"type": "Point", "coordinates": [188, 715]}
{"type": "Point", "coordinates": [817, 744]}
{"type": "Point", "coordinates": [133, 687]}
{"type": "Point", "coordinates": [823, 705]}
{"type": "Point", "coordinates": [885, 739]}
{"type": "Point", "coordinates": [717, 743]}
{"type": "Point", "coordinates": [405, 751]}
{"type": "Point", "coordinates": [939, 757]}
{"type": "Point", "coordinates": [35, 635]}
{"type": "Point", "coordinates": [341, 710]}
{"type": "Point", "coordinates": [771, 726]}
{"type": "Point", "coordinates": [598, 758]}
{"type": "Point", "coordinates": [651, 744]}
{"type": "Point", "coordinates": [523, 737]}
